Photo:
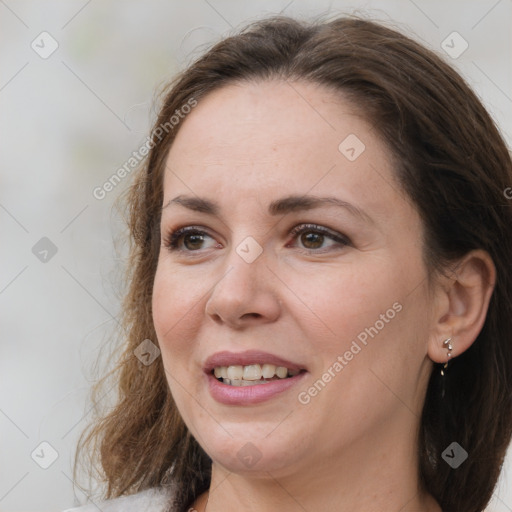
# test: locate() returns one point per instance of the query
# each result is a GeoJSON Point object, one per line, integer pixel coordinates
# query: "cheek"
{"type": "Point", "coordinates": [383, 351]}
{"type": "Point", "coordinates": [341, 302]}
{"type": "Point", "coordinates": [175, 306]}
{"type": "Point", "coordinates": [369, 317]}
{"type": "Point", "coordinates": [175, 312]}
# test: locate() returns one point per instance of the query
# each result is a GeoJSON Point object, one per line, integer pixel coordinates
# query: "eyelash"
{"type": "Point", "coordinates": [171, 241]}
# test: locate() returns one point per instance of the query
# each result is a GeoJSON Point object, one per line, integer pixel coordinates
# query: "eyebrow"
{"type": "Point", "coordinates": [288, 204]}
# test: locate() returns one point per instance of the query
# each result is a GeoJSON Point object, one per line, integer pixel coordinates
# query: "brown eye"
{"type": "Point", "coordinates": [192, 241]}
{"type": "Point", "coordinates": [187, 239]}
{"type": "Point", "coordinates": [315, 238]}
{"type": "Point", "coordinates": [312, 240]}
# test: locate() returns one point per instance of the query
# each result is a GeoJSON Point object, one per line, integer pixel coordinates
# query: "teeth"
{"type": "Point", "coordinates": [242, 382]}
{"type": "Point", "coordinates": [221, 371]}
{"type": "Point", "coordinates": [235, 372]}
{"type": "Point", "coordinates": [268, 370]}
{"type": "Point", "coordinates": [238, 375]}
{"type": "Point", "coordinates": [282, 372]}
{"type": "Point", "coordinates": [252, 372]}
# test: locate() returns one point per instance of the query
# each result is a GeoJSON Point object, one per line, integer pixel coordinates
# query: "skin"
{"type": "Point", "coordinates": [353, 446]}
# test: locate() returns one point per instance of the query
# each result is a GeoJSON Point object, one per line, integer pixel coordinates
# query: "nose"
{"type": "Point", "coordinates": [246, 294]}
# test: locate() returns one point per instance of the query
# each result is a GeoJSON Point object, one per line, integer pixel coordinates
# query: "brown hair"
{"type": "Point", "coordinates": [450, 160]}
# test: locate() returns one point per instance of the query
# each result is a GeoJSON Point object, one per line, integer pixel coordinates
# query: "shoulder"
{"type": "Point", "coordinates": [157, 499]}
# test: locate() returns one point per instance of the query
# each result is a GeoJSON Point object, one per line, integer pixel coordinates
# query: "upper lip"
{"type": "Point", "coordinates": [226, 358]}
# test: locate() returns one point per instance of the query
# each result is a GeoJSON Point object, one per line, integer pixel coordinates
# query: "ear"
{"type": "Point", "coordinates": [461, 304]}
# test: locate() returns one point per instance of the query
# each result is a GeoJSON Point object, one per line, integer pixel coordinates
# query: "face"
{"type": "Point", "coordinates": [255, 268]}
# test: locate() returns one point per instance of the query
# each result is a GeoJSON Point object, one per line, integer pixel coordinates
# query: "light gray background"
{"type": "Point", "coordinates": [67, 123]}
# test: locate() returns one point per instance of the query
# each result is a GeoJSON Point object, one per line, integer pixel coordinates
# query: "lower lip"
{"type": "Point", "coordinates": [248, 395]}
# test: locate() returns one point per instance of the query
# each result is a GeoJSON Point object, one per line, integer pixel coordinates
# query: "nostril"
{"type": "Point", "coordinates": [251, 315]}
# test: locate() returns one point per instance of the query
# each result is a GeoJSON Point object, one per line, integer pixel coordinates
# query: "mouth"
{"type": "Point", "coordinates": [250, 377]}
{"type": "Point", "coordinates": [252, 374]}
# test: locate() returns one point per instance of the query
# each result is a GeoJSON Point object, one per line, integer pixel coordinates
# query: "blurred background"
{"type": "Point", "coordinates": [77, 89]}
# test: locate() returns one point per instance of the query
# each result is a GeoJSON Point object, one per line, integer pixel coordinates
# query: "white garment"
{"type": "Point", "coordinates": [150, 500]}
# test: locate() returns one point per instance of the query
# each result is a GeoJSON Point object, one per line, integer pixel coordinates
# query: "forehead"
{"type": "Point", "coordinates": [269, 137]}
{"type": "Point", "coordinates": [278, 114]}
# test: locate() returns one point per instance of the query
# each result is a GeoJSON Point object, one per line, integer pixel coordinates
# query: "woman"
{"type": "Point", "coordinates": [320, 274]}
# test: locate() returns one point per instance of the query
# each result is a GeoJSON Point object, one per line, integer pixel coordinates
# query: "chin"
{"type": "Point", "coordinates": [250, 452]}
{"type": "Point", "coordinates": [251, 460]}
